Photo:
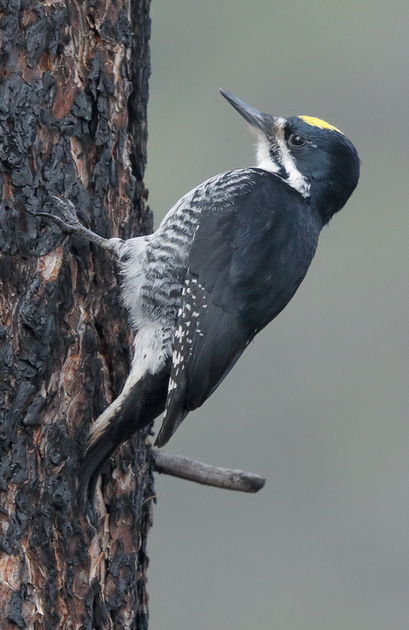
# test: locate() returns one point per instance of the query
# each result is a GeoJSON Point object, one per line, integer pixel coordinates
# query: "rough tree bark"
{"type": "Point", "coordinates": [73, 96]}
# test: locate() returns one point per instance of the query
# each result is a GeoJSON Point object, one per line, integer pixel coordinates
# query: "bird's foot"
{"type": "Point", "coordinates": [67, 220]}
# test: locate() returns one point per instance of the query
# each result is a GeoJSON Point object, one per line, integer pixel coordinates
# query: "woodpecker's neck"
{"type": "Point", "coordinates": [328, 199]}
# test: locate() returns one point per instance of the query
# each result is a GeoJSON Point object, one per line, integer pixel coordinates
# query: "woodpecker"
{"type": "Point", "coordinates": [226, 259]}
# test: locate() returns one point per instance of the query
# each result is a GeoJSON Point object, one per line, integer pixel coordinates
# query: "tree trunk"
{"type": "Point", "coordinates": [73, 96]}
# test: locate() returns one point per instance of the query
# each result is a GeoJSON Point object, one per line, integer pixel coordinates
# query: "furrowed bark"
{"type": "Point", "coordinates": [73, 96]}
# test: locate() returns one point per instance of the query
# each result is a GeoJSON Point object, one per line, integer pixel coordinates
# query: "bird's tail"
{"type": "Point", "coordinates": [136, 407]}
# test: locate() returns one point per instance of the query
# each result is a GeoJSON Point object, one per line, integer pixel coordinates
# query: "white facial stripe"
{"type": "Point", "coordinates": [295, 179]}
{"type": "Point", "coordinates": [286, 161]}
{"type": "Point", "coordinates": [263, 157]}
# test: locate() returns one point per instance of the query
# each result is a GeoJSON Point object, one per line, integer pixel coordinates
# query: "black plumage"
{"type": "Point", "coordinates": [245, 264]}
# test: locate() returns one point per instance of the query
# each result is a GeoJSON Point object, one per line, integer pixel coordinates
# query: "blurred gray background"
{"type": "Point", "coordinates": [319, 402]}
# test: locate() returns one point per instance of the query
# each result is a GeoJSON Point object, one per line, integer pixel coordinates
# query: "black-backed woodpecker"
{"type": "Point", "coordinates": [226, 259]}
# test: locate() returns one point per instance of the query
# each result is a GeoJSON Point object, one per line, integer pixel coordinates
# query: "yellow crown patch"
{"type": "Point", "coordinates": [317, 122]}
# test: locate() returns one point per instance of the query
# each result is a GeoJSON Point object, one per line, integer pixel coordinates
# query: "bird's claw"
{"type": "Point", "coordinates": [68, 221]}
{"type": "Point", "coordinates": [65, 227]}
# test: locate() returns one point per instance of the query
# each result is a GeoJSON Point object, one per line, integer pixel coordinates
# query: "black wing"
{"type": "Point", "coordinates": [245, 264]}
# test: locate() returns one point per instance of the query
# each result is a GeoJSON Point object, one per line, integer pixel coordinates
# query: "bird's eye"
{"type": "Point", "coordinates": [296, 141]}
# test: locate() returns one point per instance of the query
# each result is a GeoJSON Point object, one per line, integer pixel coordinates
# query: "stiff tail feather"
{"type": "Point", "coordinates": [136, 407]}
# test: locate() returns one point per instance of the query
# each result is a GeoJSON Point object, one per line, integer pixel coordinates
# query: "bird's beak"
{"type": "Point", "coordinates": [257, 120]}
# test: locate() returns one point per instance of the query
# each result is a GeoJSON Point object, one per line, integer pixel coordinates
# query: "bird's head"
{"type": "Point", "coordinates": [308, 153]}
